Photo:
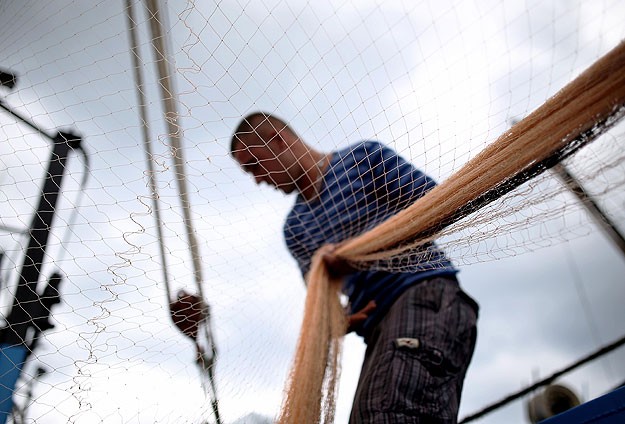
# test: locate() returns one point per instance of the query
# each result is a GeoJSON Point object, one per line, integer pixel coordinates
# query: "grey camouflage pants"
{"type": "Point", "coordinates": [417, 357]}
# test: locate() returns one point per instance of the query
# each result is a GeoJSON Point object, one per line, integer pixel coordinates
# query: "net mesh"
{"type": "Point", "coordinates": [436, 81]}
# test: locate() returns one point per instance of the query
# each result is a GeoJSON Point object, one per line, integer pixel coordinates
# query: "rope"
{"type": "Point", "coordinates": [171, 117]}
{"type": "Point", "coordinates": [135, 54]}
{"type": "Point", "coordinates": [74, 214]}
{"type": "Point", "coordinates": [205, 360]}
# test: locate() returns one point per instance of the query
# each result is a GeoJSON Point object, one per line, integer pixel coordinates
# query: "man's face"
{"type": "Point", "coordinates": [267, 162]}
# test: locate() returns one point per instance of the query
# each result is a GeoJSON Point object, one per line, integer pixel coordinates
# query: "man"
{"type": "Point", "coordinates": [419, 326]}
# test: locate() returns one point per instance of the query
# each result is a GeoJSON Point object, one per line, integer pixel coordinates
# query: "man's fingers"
{"type": "Point", "coordinates": [354, 320]}
{"type": "Point", "coordinates": [370, 307]}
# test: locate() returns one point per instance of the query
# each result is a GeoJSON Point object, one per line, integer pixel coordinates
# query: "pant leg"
{"type": "Point", "coordinates": [417, 357]}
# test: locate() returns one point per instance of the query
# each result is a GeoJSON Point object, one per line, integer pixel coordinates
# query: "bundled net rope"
{"type": "Point", "coordinates": [577, 114]}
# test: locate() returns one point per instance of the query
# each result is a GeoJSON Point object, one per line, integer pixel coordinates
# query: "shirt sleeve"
{"type": "Point", "coordinates": [396, 181]}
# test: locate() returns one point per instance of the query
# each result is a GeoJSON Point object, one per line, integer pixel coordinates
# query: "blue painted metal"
{"type": "Point", "coordinates": [12, 358]}
{"type": "Point", "coordinates": [607, 409]}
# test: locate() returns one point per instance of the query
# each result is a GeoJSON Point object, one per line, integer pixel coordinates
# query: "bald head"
{"type": "Point", "coordinates": [259, 126]}
{"type": "Point", "coordinates": [268, 149]}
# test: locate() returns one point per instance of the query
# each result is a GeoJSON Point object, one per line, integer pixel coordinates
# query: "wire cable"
{"type": "Point", "coordinates": [205, 359]}
{"type": "Point", "coordinates": [514, 396]}
{"type": "Point", "coordinates": [135, 54]}
{"type": "Point", "coordinates": [74, 215]}
{"type": "Point", "coordinates": [585, 303]}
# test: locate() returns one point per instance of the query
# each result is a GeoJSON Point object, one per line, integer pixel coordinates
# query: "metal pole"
{"type": "Point", "coordinates": [591, 206]}
{"type": "Point", "coordinates": [26, 121]}
{"type": "Point", "coordinates": [26, 294]}
{"type": "Point", "coordinates": [27, 305]}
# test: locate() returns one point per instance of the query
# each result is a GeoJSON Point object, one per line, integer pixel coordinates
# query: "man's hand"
{"type": "Point", "coordinates": [187, 312]}
{"type": "Point", "coordinates": [354, 320]}
{"type": "Point", "coordinates": [337, 266]}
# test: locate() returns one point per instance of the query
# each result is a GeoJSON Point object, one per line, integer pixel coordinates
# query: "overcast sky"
{"type": "Point", "coordinates": [436, 80]}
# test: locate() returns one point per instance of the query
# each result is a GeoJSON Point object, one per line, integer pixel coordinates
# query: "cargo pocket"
{"type": "Point", "coordinates": [418, 374]}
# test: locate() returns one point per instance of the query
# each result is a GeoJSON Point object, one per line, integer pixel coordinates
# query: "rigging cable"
{"type": "Point", "coordinates": [74, 215]}
{"type": "Point", "coordinates": [134, 49]}
{"type": "Point", "coordinates": [171, 116]}
{"type": "Point", "coordinates": [586, 306]}
{"type": "Point", "coordinates": [545, 381]}
{"type": "Point", "coordinates": [205, 360]}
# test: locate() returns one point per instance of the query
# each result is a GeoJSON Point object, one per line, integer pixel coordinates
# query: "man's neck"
{"type": "Point", "coordinates": [313, 183]}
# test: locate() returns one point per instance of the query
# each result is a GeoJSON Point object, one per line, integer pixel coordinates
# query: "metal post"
{"type": "Point", "coordinates": [27, 311]}
{"type": "Point", "coordinates": [591, 206]}
{"type": "Point", "coordinates": [26, 295]}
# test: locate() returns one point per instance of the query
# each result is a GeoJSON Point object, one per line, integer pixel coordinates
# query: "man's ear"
{"type": "Point", "coordinates": [279, 140]}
